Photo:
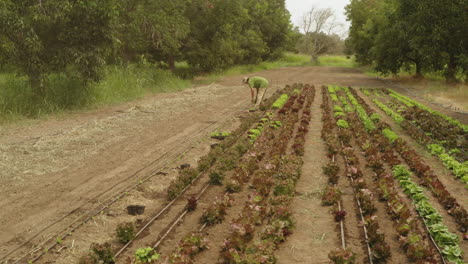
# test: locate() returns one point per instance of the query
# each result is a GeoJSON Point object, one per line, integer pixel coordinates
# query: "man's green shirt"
{"type": "Point", "coordinates": [258, 82]}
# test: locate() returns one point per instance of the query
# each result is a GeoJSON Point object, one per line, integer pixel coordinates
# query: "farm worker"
{"type": "Point", "coordinates": [258, 87]}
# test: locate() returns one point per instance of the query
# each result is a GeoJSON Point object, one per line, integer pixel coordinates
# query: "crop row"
{"type": "Point", "coordinates": [266, 219]}
{"type": "Point", "coordinates": [416, 246]}
{"type": "Point", "coordinates": [447, 241]}
{"type": "Point", "coordinates": [267, 203]}
{"type": "Point", "coordinates": [380, 250]}
{"type": "Point", "coordinates": [460, 170]}
{"type": "Point", "coordinates": [222, 158]}
{"type": "Point", "coordinates": [408, 101]}
{"type": "Point", "coordinates": [423, 171]}
{"type": "Point", "coordinates": [331, 195]}
{"type": "Point", "coordinates": [377, 150]}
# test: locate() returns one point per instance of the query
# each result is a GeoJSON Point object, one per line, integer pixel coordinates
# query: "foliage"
{"type": "Point", "coordinates": [186, 176]}
{"type": "Point", "coordinates": [368, 123]}
{"type": "Point", "coordinates": [216, 177]}
{"type": "Point", "coordinates": [146, 255]}
{"type": "Point", "coordinates": [342, 123]}
{"type": "Point", "coordinates": [388, 133]}
{"type": "Point", "coordinates": [100, 253]}
{"type": "Point", "coordinates": [447, 241]}
{"type": "Point", "coordinates": [375, 118]}
{"type": "Point", "coordinates": [55, 36]}
{"type": "Point", "coordinates": [397, 34]}
{"type": "Point", "coordinates": [330, 196]}
{"type": "Point", "coordinates": [192, 204]}
{"type": "Point", "coordinates": [217, 211]}
{"type": "Point", "coordinates": [341, 256]}
{"type": "Point", "coordinates": [337, 108]}
{"type": "Point", "coordinates": [220, 135]}
{"type": "Point", "coordinates": [125, 232]}
{"type": "Point", "coordinates": [280, 102]}
{"type": "Point", "coordinates": [459, 169]}
{"type": "Point", "coordinates": [225, 33]}
{"type": "Point", "coordinates": [397, 117]}
{"type": "Point", "coordinates": [425, 108]}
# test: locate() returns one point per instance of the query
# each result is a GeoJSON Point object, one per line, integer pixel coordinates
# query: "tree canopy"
{"type": "Point", "coordinates": [430, 35]}
{"type": "Point", "coordinates": [79, 37]}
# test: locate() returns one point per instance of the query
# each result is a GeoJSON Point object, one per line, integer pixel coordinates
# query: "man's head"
{"type": "Point", "coordinates": [245, 80]}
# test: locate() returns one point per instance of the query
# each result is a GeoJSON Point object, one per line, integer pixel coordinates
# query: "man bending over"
{"type": "Point", "coordinates": [258, 87]}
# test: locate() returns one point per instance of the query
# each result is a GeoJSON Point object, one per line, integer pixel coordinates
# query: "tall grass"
{"type": "Point", "coordinates": [64, 93]}
{"type": "Point", "coordinates": [123, 83]}
{"type": "Point", "coordinates": [287, 60]}
{"type": "Point", "coordinates": [337, 61]}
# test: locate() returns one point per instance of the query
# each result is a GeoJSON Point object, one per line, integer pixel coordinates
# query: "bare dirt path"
{"type": "Point", "coordinates": [49, 167]}
{"type": "Point", "coordinates": [315, 232]}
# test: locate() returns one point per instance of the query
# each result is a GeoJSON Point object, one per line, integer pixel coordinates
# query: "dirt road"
{"type": "Point", "coordinates": [50, 167]}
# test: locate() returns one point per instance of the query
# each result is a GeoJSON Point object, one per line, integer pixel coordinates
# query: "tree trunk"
{"type": "Point", "coordinates": [451, 70]}
{"type": "Point", "coordinates": [419, 74]}
{"type": "Point", "coordinates": [36, 84]}
{"type": "Point", "coordinates": [171, 63]}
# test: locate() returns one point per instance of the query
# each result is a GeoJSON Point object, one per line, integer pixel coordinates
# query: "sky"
{"type": "Point", "coordinates": [299, 7]}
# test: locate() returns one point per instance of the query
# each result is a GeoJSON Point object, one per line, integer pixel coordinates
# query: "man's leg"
{"type": "Point", "coordinates": [260, 94]}
{"type": "Point", "coordinates": [256, 95]}
{"type": "Point", "coordinates": [252, 93]}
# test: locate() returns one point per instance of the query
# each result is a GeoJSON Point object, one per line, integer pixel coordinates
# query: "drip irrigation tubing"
{"type": "Point", "coordinates": [120, 194]}
{"type": "Point", "coordinates": [180, 217]}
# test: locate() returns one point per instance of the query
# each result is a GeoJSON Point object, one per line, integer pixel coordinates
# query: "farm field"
{"type": "Point", "coordinates": [335, 167]}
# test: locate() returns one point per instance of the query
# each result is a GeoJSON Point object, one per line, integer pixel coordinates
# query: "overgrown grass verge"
{"type": "Point", "coordinates": [64, 93]}
{"type": "Point", "coordinates": [123, 83]}
{"type": "Point", "coordinates": [287, 60]}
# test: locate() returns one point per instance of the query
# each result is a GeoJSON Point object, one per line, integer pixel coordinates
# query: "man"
{"type": "Point", "coordinates": [258, 85]}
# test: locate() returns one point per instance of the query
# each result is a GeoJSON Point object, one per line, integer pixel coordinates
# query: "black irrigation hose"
{"type": "Point", "coordinates": [430, 235]}
{"type": "Point", "coordinates": [432, 140]}
{"type": "Point", "coordinates": [369, 250]}
{"type": "Point", "coordinates": [181, 216]}
{"type": "Point", "coordinates": [120, 195]}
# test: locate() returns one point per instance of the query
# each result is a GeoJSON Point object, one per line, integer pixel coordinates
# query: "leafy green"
{"type": "Point", "coordinates": [447, 241]}
{"type": "Point", "coordinates": [392, 136]}
{"type": "Point", "coordinates": [280, 102]}
{"type": "Point", "coordinates": [342, 123]}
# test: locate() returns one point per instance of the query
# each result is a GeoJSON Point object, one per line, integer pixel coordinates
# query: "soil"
{"type": "Point", "coordinates": [53, 171]}
{"type": "Point", "coordinates": [316, 236]}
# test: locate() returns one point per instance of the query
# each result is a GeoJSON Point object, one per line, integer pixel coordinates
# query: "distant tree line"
{"type": "Point", "coordinates": [317, 34]}
{"type": "Point", "coordinates": [429, 35]}
{"type": "Point", "coordinates": [79, 37]}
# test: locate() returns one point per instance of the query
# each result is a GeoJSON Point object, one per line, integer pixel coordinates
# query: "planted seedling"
{"type": "Point", "coordinates": [220, 135]}
{"type": "Point", "coordinates": [342, 123]}
{"type": "Point", "coordinates": [192, 203]}
{"type": "Point", "coordinates": [330, 196]}
{"type": "Point", "coordinates": [216, 177]}
{"type": "Point", "coordinates": [342, 256]}
{"type": "Point", "coordinates": [100, 253]}
{"type": "Point", "coordinates": [233, 186]}
{"type": "Point", "coordinates": [146, 255]}
{"type": "Point", "coordinates": [340, 215]}
{"type": "Point", "coordinates": [125, 232]}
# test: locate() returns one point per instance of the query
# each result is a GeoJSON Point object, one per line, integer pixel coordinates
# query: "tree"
{"type": "Point", "coordinates": [361, 14]}
{"type": "Point", "coordinates": [42, 37]}
{"type": "Point", "coordinates": [225, 33]}
{"type": "Point", "coordinates": [440, 32]}
{"type": "Point", "coordinates": [156, 29]}
{"type": "Point", "coordinates": [316, 24]}
{"type": "Point", "coordinates": [397, 34]}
